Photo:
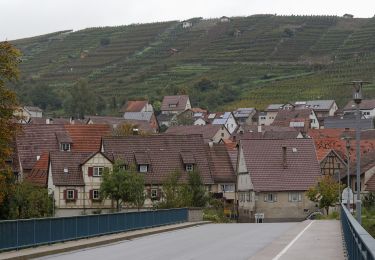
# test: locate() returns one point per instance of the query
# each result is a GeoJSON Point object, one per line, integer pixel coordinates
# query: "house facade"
{"type": "Point", "coordinates": [367, 108]}
{"type": "Point", "coordinates": [246, 116]}
{"type": "Point", "coordinates": [322, 108]}
{"type": "Point", "coordinates": [227, 119]}
{"type": "Point", "coordinates": [272, 180]}
{"type": "Point", "coordinates": [175, 104]}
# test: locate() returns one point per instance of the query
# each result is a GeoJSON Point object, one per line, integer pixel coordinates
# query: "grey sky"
{"type": "Point", "coordinates": [25, 18]}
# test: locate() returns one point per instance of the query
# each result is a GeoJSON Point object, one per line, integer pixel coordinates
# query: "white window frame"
{"type": "Point", "coordinates": [172, 105]}
{"type": "Point", "coordinates": [143, 168]}
{"type": "Point", "coordinates": [98, 171]}
{"type": "Point", "coordinates": [189, 167]}
{"type": "Point", "coordinates": [154, 193]}
{"type": "Point", "coordinates": [227, 187]}
{"type": "Point", "coordinates": [70, 194]}
{"type": "Point", "coordinates": [295, 197]}
{"type": "Point", "coordinates": [95, 195]}
{"type": "Point", "coordinates": [65, 147]}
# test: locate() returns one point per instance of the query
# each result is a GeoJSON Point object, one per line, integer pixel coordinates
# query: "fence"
{"type": "Point", "coordinates": [15, 234]}
{"type": "Point", "coordinates": [359, 243]}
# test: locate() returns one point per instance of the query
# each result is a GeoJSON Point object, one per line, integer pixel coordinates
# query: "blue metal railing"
{"type": "Point", "coordinates": [359, 243]}
{"type": "Point", "coordinates": [16, 234]}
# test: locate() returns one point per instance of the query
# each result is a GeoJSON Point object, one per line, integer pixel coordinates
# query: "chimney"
{"type": "Point", "coordinates": [210, 144]}
{"type": "Point", "coordinates": [284, 157]}
{"type": "Point", "coordinates": [259, 128]}
{"type": "Point", "coordinates": [47, 121]}
{"type": "Point", "coordinates": [37, 157]}
{"type": "Point", "coordinates": [71, 120]}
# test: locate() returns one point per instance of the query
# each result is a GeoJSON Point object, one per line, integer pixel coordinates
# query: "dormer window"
{"type": "Point", "coordinates": [172, 105]}
{"type": "Point", "coordinates": [189, 167]}
{"type": "Point", "coordinates": [65, 147]}
{"type": "Point", "coordinates": [143, 168]}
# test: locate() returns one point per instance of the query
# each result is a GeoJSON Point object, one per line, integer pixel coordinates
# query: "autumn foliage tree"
{"type": "Point", "coordinates": [325, 192]}
{"type": "Point", "coordinates": [9, 59]}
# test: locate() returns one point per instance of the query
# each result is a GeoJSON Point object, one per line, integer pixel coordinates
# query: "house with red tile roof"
{"type": "Point", "coordinates": [210, 133]}
{"type": "Point", "coordinates": [137, 106]}
{"type": "Point", "coordinates": [272, 178]}
{"type": "Point", "coordinates": [175, 104]}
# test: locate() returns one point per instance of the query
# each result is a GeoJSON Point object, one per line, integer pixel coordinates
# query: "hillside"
{"type": "Point", "coordinates": [249, 61]}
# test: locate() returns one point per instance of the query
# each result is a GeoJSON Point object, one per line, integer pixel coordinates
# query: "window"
{"type": "Point", "coordinates": [263, 117]}
{"type": "Point", "coordinates": [222, 134]}
{"type": "Point", "coordinates": [143, 168]}
{"type": "Point", "coordinates": [248, 196]}
{"type": "Point", "coordinates": [65, 146]}
{"type": "Point", "coordinates": [70, 194]}
{"type": "Point", "coordinates": [295, 197]}
{"type": "Point", "coordinates": [98, 171]}
{"type": "Point", "coordinates": [270, 197]}
{"type": "Point", "coordinates": [227, 187]}
{"type": "Point", "coordinates": [189, 167]}
{"type": "Point", "coordinates": [123, 167]}
{"type": "Point", "coordinates": [242, 196]}
{"type": "Point", "coordinates": [154, 193]}
{"type": "Point", "coordinates": [172, 105]}
{"type": "Point", "coordinates": [95, 195]}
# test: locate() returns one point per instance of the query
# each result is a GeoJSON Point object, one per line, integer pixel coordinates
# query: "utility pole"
{"type": "Point", "coordinates": [347, 139]}
{"type": "Point", "coordinates": [357, 97]}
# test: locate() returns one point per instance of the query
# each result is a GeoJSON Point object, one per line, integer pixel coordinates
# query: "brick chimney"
{"type": "Point", "coordinates": [284, 157]}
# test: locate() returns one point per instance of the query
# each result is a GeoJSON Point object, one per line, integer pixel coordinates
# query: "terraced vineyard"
{"type": "Point", "coordinates": [250, 61]}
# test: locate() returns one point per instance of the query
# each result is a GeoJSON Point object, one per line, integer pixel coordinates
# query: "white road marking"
{"type": "Point", "coordinates": [292, 242]}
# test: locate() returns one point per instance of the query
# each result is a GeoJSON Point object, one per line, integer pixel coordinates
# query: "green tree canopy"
{"type": "Point", "coordinates": [325, 192]}
{"type": "Point", "coordinates": [123, 185]}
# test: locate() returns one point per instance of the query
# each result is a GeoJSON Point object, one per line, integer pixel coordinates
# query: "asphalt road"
{"type": "Point", "coordinates": [214, 241]}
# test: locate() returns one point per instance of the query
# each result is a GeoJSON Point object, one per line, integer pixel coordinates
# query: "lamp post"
{"type": "Point", "coordinates": [347, 139]}
{"type": "Point", "coordinates": [357, 97]}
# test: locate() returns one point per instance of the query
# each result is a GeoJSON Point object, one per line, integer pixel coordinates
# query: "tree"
{"type": "Point", "coordinates": [127, 129]}
{"type": "Point", "coordinates": [123, 185]}
{"type": "Point", "coordinates": [81, 101]}
{"type": "Point", "coordinates": [29, 201]}
{"type": "Point", "coordinates": [196, 190]}
{"type": "Point", "coordinates": [325, 192]}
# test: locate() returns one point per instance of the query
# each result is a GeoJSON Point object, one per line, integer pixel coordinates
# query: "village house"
{"type": "Point", "coordinates": [367, 108]}
{"type": "Point", "coordinates": [210, 133]}
{"type": "Point", "coordinates": [348, 121]}
{"type": "Point", "coordinates": [265, 132]}
{"type": "Point", "coordinates": [322, 108]}
{"type": "Point", "coordinates": [175, 104]}
{"type": "Point", "coordinates": [74, 180]}
{"type": "Point", "coordinates": [227, 119]}
{"type": "Point", "coordinates": [157, 156]}
{"type": "Point", "coordinates": [190, 116]}
{"type": "Point", "coordinates": [272, 178]}
{"type": "Point", "coordinates": [27, 112]}
{"type": "Point", "coordinates": [35, 142]}
{"type": "Point", "coordinates": [148, 117]}
{"type": "Point", "coordinates": [268, 116]}
{"type": "Point", "coordinates": [246, 116]}
{"type": "Point", "coordinates": [187, 24]}
{"type": "Point", "coordinates": [137, 106]}
{"type": "Point", "coordinates": [225, 19]}
{"type": "Point", "coordinates": [301, 119]}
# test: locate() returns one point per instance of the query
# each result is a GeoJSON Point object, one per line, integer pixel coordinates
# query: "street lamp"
{"type": "Point", "coordinates": [347, 139]}
{"type": "Point", "coordinates": [357, 97]}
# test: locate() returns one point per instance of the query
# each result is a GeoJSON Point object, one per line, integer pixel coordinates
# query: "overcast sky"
{"type": "Point", "coordinates": [25, 18]}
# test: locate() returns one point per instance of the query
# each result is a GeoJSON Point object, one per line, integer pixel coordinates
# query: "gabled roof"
{"type": "Point", "coordinates": [34, 140]}
{"type": "Point", "coordinates": [87, 138]}
{"type": "Point", "coordinates": [33, 109]}
{"type": "Point", "coordinates": [178, 101]}
{"type": "Point", "coordinates": [39, 173]}
{"type": "Point", "coordinates": [317, 105]}
{"type": "Point", "coordinates": [221, 119]}
{"type": "Point", "coordinates": [221, 164]}
{"type": "Point", "coordinates": [264, 162]}
{"type": "Point", "coordinates": [297, 117]}
{"type": "Point", "coordinates": [70, 161]}
{"type": "Point", "coordinates": [163, 153]}
{"type": "Point", "coordinates": [144, 116]}
{"type": "Point", "coordinates": [134, 106]}
{"type": "Point", "coordinates": [273, 107]}
{"type": "Point", "coordinates": [244, 112]}
{"type": "Point", "coordinates": [207, 131]}
{"type": "Point", "coordinates": [366, 104]}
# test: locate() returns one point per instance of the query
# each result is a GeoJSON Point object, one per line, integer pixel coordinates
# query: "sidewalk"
{"type": "Point", "coordinates": [317, 239]}
{"type": "Point", "coordinates": [92, 242]}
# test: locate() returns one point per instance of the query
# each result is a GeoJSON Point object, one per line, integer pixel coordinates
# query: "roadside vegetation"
{"type": "Point", "coordinates": [368, 214]}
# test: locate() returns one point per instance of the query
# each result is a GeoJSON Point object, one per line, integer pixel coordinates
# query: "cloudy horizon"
{"type": "Point", "coordinates": [27, 18]}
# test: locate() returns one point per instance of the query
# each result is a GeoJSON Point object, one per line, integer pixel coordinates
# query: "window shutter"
{"type": "Point", "coordinates": [265, 197]}
{"type": "Point", "coordinates": [149, 192]}
{"type": "Point", "coordinates": [90, 194]}
{"type": "Point", "coordinates": [275, 197]}
{"type": "Point", "coordinates": [299, 197]}
{"type": "Point", "coordinates": [75, 194]}
{"type": "Point", "coordinates": [64, 194]}
{"type": "Point", "coordinates": [91, 171]}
